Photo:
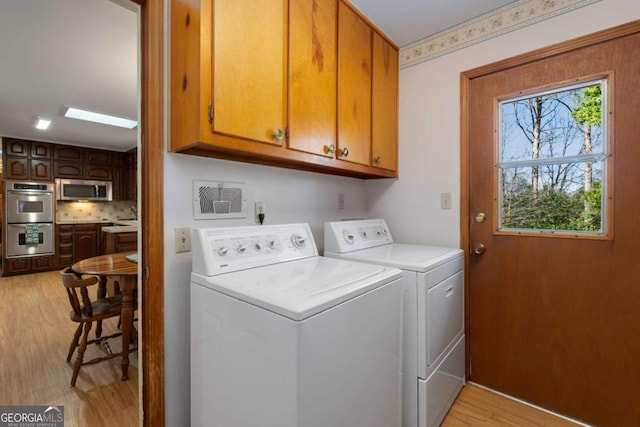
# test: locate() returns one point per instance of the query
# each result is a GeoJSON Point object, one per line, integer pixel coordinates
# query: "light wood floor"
{"type": "Point", "coordinates": [478, 407]}
{"type": "Point", "coordinates": [35, 333]}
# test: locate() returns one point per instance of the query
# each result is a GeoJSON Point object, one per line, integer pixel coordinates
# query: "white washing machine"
{"type": "Point", "coordinates": [433, 312]}
{"type": "Point", "coordinates": [281, 337]}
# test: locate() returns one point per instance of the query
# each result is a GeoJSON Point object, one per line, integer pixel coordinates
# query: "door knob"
{"type": "Point", "coordinates": [480, 217]}
{"type": "Point", "coordinates": [480, 249]}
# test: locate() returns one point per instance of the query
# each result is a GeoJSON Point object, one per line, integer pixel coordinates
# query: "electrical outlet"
{"type": "Point", "coordinates": [183, 239]}
{"type": "Point", "coordinates": [445, 200]}
{"type": "Point", "coordinates": [341, 201]}
{"type": "Point", "coordinates": [261, 208]}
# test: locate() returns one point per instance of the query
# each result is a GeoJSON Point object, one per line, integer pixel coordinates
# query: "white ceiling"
{"type": "Point", "coordinates": [83, 53]}
{"type": "Point", "coordinates": [57, 53]}
{"type": "Point", "coordinates": [407, 21]}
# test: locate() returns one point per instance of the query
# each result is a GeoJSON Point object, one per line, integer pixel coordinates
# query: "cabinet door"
{"type": "Point", "coordinates": [67, 169]}
{"type": "Point", "coordinates": [16, 147]}
{"type": "Point", "coordinates": [100, 157]}
{"type": "Point", "coordinates": [67, 152]}
{"type": "Point", "coordinates": [18, 265]}
{"type": "Point", "coordinates": [312, 76]}
{"type": "Point", "coordinates": [384, 138]}
{"type": "Point", "coordinates": [42, 263]}
{"type": "Point", "coordinates": [99, 172]}
{"type": "Point", "coordinates": [40, 170]}
{"type": "Point", "coordinates": [16, 168]}
{"type": "Point", "coordinates": [40, 150]}
{"type": "Point", "coordinates": [85, 244]}
{"type": "Point", "coordinates": [249, 69]}
{"type": "Point", "coordinates": [354, 87]}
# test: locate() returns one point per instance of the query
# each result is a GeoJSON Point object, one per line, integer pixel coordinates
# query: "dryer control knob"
{"type": "Point", "coordinates": [241, 249]}
{"type": "Point", "coordinates": [348, 237]}
{"type": "Point", "coordinates": [298, 241]}
{"type": "Point", "coordinates": [222, 251]}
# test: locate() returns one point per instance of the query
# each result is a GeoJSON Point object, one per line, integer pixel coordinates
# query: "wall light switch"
{"type": "Point", "coordinates": [445, 200]}
{"type": "Point", "coordinates": [183, 239]}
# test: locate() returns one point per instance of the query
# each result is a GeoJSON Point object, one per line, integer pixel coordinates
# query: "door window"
{"type": "Point", "coordinates": [552, 161]}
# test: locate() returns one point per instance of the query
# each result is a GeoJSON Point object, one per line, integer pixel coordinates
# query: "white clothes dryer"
{"type": "Point", "coordinates": [433, 312]}
{"type": "Point", "coordinates": [281, 337]}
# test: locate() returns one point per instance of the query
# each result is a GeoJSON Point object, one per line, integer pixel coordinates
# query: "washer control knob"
{"type": "Point", "coordinates": [272, 244]}
{"type": "Point", "coordinates": [348, 237]}
{"type": "Point", "coordinates": [222, 251]}
{"type": "Point", "coordinates": [241, 249]}
{"type": "Point", "coordinates": [257, 246]}
{"type": "Point", "coordinates": [298, 241]}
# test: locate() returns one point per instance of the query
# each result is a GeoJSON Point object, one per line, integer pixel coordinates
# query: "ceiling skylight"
{"type": "Point", "coordinates": [76, 113]}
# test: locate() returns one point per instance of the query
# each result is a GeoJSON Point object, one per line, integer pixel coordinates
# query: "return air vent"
{"type": "Point", "coordinates": [218, 200]}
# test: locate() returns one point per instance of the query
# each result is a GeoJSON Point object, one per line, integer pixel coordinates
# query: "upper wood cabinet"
{"type": "Point", "coordinates": [354, 86]}
{"type": "Point", "coordinates": [249, 82]}
{"type": "Point", "coordinates": [312, 76]}
{"type": "Point", "coordinates": [26, 160]}
{"type": "Point", "coordinates": [82, 163]}
{"type": "Point", "coordinates": [258, 82]}
{"type": "Point", "coordinates": [384, 131]}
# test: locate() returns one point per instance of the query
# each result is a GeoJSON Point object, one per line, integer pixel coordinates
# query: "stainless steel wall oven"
{"type": "Point", "coordinates": [30, 216]}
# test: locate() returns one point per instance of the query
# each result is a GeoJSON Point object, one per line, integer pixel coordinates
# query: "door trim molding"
{"type": "Point", "coordinates": [465, 138]}
{"type": "Point", "coordinates": [151, 199]}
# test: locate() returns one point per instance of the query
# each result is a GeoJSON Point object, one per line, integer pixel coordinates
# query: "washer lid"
{"type": "Point", "coordinates": [302, 288]}
{"type": "Point", "coordinates": [407, 257]}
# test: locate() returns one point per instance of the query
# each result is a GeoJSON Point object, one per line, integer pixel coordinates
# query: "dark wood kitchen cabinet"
{"type": "Point", "coordinates": [85, 241]}
{"type": "Point", "coordinates": [75, 242]}
{"type": "Point", "coordinates": [26, 160]}
{"type": "Point", "coordinates": [64, 245]}
{"type": "Point", "coordinates": [119, 242]}
{"type": "Point", "coordinates": [32, 264]}
{"type": "Point", "coordinates": [125, 175]}
{"type": "Point", "coordinates": [98, 164]}
{"type": "Point", "coordinates": [67, 162]}
{"type": "Point", "coordinates": [82, 163]}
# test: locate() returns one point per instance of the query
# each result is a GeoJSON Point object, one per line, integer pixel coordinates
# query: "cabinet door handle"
{"type": "Point", "coordinates": [344, 152]}
{"type": "Point", "coordinates": [330, 149]}
{"type": "Point", "coordinates": [278, 134]}
{"type": "Point", "coordinates": [377, 160]}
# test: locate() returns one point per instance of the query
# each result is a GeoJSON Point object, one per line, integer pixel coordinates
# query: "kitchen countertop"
{"type": "Point", "coordinates": [120, 229]}
{"type": "Point", "coordinates": [84, 221]}
{"type": "Point", "coordinates": [117, 222]}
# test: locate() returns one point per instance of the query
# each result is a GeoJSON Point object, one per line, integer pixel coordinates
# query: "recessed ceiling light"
{"type": "Point", "coordinates": [76, 113]}
{"type": "Point", "coordinates": [43, 124]}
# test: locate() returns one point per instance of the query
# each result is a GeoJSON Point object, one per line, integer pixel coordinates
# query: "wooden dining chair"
{"type": "Point", "coordinates": [85, 312]}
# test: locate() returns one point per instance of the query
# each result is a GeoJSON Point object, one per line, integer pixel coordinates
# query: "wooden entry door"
{"type": "Point", "coordinates": [555, 321]}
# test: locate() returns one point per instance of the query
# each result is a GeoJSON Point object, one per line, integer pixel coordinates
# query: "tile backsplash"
{"type": "Point", "coordinates": [94, 211]}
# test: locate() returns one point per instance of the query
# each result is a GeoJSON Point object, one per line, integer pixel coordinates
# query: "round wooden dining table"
{"type": "Point", "coordinates": [117, 265]}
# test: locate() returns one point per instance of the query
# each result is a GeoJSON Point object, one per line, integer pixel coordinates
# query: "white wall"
{"type": "Point", "coordinates": [290, 196]}
{"type": "Point", "coordinates": [429, 165]}
{"type": "Point", "coordinates": [430, 123]}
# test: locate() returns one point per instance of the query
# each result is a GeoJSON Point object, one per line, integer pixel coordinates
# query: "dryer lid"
{"type": "Point", "coordinates": [302, 288]}
{"type": "Point", "coordinates": [417, 258]}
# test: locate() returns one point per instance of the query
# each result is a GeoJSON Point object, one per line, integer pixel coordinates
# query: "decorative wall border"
{"type": "Point", "coordinates": [493, 24]}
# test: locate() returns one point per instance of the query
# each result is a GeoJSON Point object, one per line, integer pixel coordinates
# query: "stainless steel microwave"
{"type": "Point", "coordinates": [77, 189]}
